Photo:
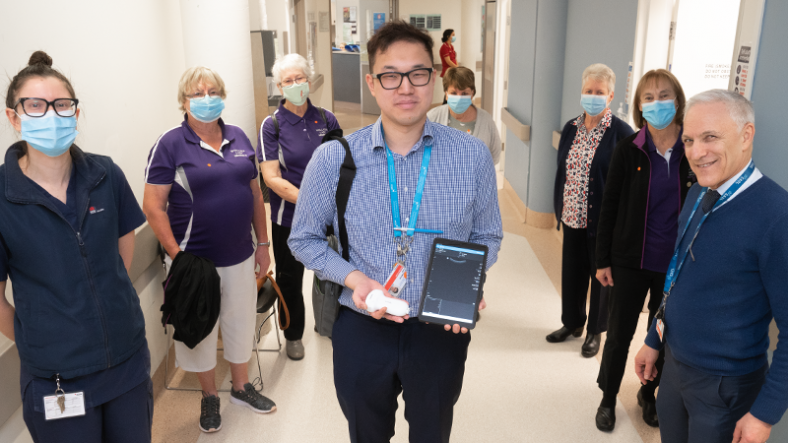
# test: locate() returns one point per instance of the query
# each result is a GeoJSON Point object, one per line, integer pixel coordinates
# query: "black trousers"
{"type": "Point", "coordinates": [290, 278]}
{"type": "Point", "coordinates": [376, 360]}
{"type": "Point", "coordinates": [628, 294]}
{"type": "Point", "coordinates": [577, 267]}
{"type": "Point", "coordinates": [694, 406]}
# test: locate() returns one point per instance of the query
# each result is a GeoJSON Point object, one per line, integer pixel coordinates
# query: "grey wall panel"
{"type": "Point", "coordinates": [347, 77]}
{"type": "Point", "coordinates": [602, 31]}
{"type": "Point", "coordinates": [769, 94]}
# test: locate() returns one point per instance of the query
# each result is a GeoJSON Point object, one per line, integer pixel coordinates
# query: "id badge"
{"type": "Point", "coordinates": [396, 280]}
{"type": "Point", "coordinates": [74, 406]}
{"type": "Point", "coordinates": [661, 329]}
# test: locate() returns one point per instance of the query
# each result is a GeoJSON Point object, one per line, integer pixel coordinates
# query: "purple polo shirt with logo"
{"type": "Point", "coordinates": [299, 137]}
{"type": "Point", "coordinates": [664, 205]}
{"type": "Point", "coordinates": [210, 203]}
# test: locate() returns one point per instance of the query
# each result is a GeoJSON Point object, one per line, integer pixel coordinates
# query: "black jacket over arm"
{"type": "Point", "coordinates": [617, 131]}
{"type": "Point", "coordinates": [621, 233]}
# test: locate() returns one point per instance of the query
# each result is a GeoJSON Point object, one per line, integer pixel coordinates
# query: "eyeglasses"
{"type": "Point", "coordinates": [416, 77]}
{"type": "Point", "coordinates": [200, 94]}
{"type": "Point", "coordinates": [297, 81]}
{"type": "Point", "coordinates": [37, 107]}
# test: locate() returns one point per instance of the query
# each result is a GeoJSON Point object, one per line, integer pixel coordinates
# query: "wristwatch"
{"type": "Point", "coordinates": [265, 243]}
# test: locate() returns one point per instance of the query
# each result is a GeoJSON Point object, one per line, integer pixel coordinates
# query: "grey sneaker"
{"type": "Point", "coordinates": [252, 400]}
{"type": "Point", "coordinates": [210, 420]}
{"type": "Point", "coordinates": [295, 349]}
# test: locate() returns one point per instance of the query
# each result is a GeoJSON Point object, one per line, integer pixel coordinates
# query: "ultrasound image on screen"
{"type": "Point", "coordinates": [454, 283]}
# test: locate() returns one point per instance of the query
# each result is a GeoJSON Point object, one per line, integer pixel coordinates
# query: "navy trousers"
{"type": "Point", "coordinates": [126, 419]}
{"type": "Point", "coordinates": [376, 360]}
{"type": "Point", "coordinates": [578, 266]}
{"type": "Point", "coordinates": [696, 407]}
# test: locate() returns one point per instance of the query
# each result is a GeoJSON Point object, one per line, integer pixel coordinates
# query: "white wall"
{"type": "Point", "coordinates": [471, 38]}
{"type": "Point", "coordinates": [705, 35]}
{"type": "Point", "coordinates": [124, 60]}
{"type": "Point", "coordinates": [451, 17]}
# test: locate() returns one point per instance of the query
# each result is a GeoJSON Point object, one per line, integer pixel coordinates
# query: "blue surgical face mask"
{"type": "Point", "coordinates": [297, 94]}
{"type": "Point", "coordinates": [659, 113]}
{"type": "Point", "coordinates": [206, 109]}
{"type": "Point", "coordinates": [50, 134]}
{"type": "Point", "coordinates": [593, 104]}
{"type": "Point", "coordinates": [453, 38]}
{"type": "Point", "coordinates": [459, 103]}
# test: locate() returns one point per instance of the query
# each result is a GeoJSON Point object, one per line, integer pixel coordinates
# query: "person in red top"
{"type": "Point", "coordinates": [448, 56]}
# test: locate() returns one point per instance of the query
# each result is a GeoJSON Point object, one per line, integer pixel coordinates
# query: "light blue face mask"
{"type": "Point", "coordinates": [659, 113]}
{"type": "Point", "coordinates": [206, 109]}
{"type": "Point", "coordinates": [453, 38]}
{"type": "Point", "coordinates": [50, 134]}
{"type": "Point", "coordinates": [297, 94]}
{"type": "Point", "coordinates": [593, 104]}
{"type": "Point", "coordinates": [459, 103]}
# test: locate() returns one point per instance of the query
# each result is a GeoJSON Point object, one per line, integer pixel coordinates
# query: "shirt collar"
{"type": "Point", "coordinates": [294, 118]}
{"type": "Point", "coordinates": [20, 190]}
{"type": "Point", "coordinates": [604, 123]}
{"type": "Point", "coordinates": [192, 137]}
{"type": "Point", "coordinates": [724, 187]}
{"type": "Point", "coordinates": [378, 142]}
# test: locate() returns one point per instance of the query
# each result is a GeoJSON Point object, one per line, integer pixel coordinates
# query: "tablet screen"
{"type": "Point", "coordinates": [453, 286]}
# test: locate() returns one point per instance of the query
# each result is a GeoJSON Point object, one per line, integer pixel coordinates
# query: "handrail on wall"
{"type": "Point", "coordinates": [519, 129]}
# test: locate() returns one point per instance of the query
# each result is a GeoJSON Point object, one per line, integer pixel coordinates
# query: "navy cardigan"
{"type": "Point", "coordinates": [617, 131]}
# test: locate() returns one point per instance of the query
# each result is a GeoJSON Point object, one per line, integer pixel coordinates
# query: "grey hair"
{"type": "Point", "coordinates": [290, 62]}
{"type": "Point", "coordinates": [600, 71]}
{"type": "Point", "coordinates": [739, 108]}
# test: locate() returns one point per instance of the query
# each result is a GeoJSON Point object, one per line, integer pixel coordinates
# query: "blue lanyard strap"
{"type": "Point", "coordinates": [675, 265]}
{"type": "Point", "coordinates": [414, 212]}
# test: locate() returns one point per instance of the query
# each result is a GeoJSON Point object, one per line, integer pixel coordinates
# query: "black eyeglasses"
{"type": "Point", "coordinates": [37, 107]}
{"type": "Point", "coordinates": [416, 77]}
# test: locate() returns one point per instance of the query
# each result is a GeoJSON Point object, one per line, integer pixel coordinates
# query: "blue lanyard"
{"type": "Point", "coordinates": [414, 212]}
{"type": "Point", "coordinates": [673, 268]}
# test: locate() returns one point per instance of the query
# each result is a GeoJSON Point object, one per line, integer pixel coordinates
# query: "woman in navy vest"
{"type": "Point", "coordinates": [67, 221]}
{"type": "Point", "coordinates": [584, 152]}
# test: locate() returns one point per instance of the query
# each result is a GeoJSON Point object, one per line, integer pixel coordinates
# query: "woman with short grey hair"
{"type": "Point", "coordinates": [584, 153]}
{"type": "Point", "coordinates": [285, 143]}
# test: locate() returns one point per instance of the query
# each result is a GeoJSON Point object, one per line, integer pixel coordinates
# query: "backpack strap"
{"type": "Point", "coordinates": [322, 115]}
{"type": "Point", "coordinates": [279, 145]}
{"type": "Point", "coordinates": [346, 175]}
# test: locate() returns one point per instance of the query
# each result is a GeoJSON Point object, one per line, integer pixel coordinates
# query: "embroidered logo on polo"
{"type": "Point", "coordinates": [322, 131]}
{"type": "Point", "coordinates": [93, 210]}
{"type": "Point", "coordinates": [238, 153]}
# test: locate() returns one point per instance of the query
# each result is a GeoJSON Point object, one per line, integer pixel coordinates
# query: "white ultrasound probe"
{"type": "Point", "coordinates": [394, 306]}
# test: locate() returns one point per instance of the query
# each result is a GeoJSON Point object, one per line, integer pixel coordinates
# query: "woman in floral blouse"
{"type": "Point", "coordinates": [584, 154]}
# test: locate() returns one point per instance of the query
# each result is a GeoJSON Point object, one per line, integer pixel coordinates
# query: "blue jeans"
{"type": "Point", "coordinates": [695, 407]}
{"type": "Point", "coordinates": [125, 419]}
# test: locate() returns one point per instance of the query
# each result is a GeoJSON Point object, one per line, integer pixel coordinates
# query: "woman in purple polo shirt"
{"type": "Point", "coordinates": [202, 196]}
{"type": "Point", "coordinates": [285, 144]}
{"type": "Point", "coordinates": [646, 185]}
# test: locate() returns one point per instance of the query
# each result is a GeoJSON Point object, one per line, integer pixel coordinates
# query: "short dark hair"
{"type": "Point", "coordinates": [396, 31]}
{"type": "Point", "coordinates": [447, 35]}
{"type": "Point", "coordinates": [460, 77]}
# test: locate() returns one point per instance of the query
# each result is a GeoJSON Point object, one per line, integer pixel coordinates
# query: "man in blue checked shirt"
{"type": "Point", "coordinates": [377, 356]}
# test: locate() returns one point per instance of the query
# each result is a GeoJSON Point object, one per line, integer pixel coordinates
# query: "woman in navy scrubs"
{"type": "Point", "coordinates": [67, 221]}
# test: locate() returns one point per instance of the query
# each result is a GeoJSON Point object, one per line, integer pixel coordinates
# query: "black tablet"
{"type": "Point", "coordinates": [453, 285]}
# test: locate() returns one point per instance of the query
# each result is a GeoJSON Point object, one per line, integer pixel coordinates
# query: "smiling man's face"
{"type": "Point", "coordinates": [715, 146]}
